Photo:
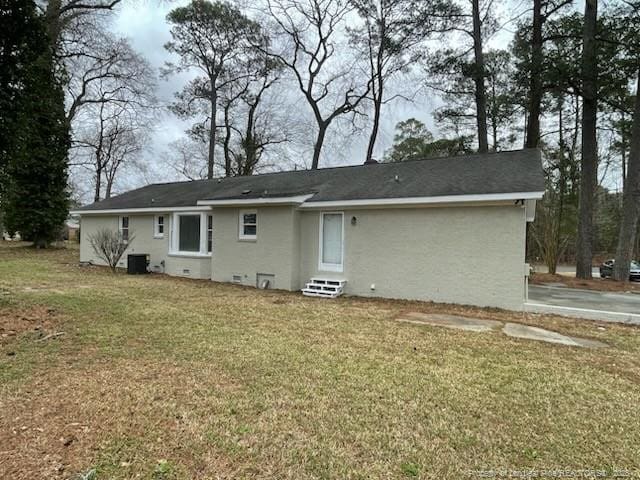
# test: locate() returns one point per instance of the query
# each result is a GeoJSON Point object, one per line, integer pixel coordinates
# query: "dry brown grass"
{"type": "Point", "coordinates": [164, 378]}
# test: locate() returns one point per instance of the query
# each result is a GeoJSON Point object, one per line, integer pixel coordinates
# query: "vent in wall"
{"type": "Point", "coordinates": [265, 280]}
{"type": "Point", "coordinates": [236, 279]}
{"type": "Point", "coordinates": [186, 271]}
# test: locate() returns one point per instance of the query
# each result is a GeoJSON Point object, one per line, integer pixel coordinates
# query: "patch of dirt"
{"type": "Point", "coordinates": [113, 414]}
{"type": "Point", "coordinates": [603, 285]}
{"type": "Point", "coordinates": [37, 319]}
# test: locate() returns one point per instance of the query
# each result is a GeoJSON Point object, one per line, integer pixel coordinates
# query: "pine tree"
{"type": "Point", "coordinates": [18, 47]}
{"type": "Point", "coordinates": [35, 200]}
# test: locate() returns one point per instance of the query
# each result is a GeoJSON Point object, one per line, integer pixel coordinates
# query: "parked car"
{"type": "Point", "coordinates": [606, 270]}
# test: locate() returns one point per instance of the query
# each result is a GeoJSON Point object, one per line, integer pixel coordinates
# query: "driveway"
{"type": "Point", "coordinates": [566, 270]}
{"type": "Point", "coordinates": [611, 306]}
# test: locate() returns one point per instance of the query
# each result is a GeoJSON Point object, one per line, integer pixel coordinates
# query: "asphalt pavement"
{"type": "Point", "coordinates": [573, 298]}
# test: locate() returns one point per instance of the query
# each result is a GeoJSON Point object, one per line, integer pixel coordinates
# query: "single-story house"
{"type": "Point", "coordinates": [446, 229]}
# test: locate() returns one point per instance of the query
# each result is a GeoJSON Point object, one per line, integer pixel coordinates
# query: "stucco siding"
{"type": "Point", "coordinates": [141, 227]}
{"type": "Point", "coordinates": [468, 255]}
{"type": "Point", "coordinates": [458, 254]}
{"type": "Point", "coordinates": [274, 251]}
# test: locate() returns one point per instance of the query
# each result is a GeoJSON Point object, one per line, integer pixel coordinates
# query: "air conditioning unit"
{"type": "Point", "coordinates": [137, 263]}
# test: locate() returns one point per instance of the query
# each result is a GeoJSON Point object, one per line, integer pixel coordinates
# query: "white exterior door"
{"type": "Point", "coordinates": [331, 241]}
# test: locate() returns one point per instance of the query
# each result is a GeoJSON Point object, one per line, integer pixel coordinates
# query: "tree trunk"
{"type": "Point", "coordinates": [494, 116]}
{"type": "Point", "coordinates": [227, 141]}
{"type": "Point", "coordinates": [589, 164]}
{"type": "Point", "coordinates": [212, 130]}
{"type": "Point", "coordinates": [630, 200]}
{"type": "Point", "coordinates": [250, 153]}
{"type": "Point", "coordinates": [535, 78]}
{"type": "Point", "coordinates": [377, 106]}
{"type": "Point", "coordinates": [623, 150]}
{"type": "Point", "coordinates": [317, 147]}
{"type": "Point", "coordinates": [562, 183]}
{"type": "Point", "coordinates": [478, 79]}
{"type": "Point", "coordinates": [96, 195]}
{"type": "Point", "coordinates": [377, 86]}
{"type": "Point", "coordinates": [107, 192]}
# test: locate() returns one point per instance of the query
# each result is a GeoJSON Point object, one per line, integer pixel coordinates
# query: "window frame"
{"type": "Point", "coordinates": [330, 267]}
{"type": "Point", "coordinates": [121, 227]}
{"type": "Point", "coordinates": [157, 225]}
{"type": "Point", "coordinates": [241, 224]}
{"type": "Point", "coordinates": [209, 239]}
{"type": "Point", "coordinates": [175, 235]}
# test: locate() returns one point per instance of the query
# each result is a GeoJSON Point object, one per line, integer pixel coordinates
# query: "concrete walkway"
{"type": "Point", "coordinates": [606, 306]}
{"type": "Point", "coordinates": [515, 330]}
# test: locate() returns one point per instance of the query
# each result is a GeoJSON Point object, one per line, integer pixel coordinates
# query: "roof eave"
{"type": "Point", "coordinates": [417, 201]}
{"type": "Point", "coordinates": [271, 201]}
{"type": "Point", "coordinates": [302, 201]}
{"type": "Point", "coordinates": [149, 210]}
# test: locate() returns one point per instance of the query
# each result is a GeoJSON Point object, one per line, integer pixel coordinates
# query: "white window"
{"type": "Point", "coordinates": [158, 229]}
{"type": "Point", "coordinates": [331, 241]}
{"type": "Point", "coordinates": [124, 228]}
{"type": "Point", "coordinates": [248, 225]}
{"type": "Point", "coordinates": [190, 234]}
{"type": "Point", "coordinates": [209, 233]}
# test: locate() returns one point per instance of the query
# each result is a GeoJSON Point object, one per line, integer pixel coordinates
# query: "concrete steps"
{"type": "Point", "coordinates": [324, 287]}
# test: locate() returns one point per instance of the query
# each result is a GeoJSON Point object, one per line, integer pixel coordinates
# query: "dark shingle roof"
{"type": "Point", "coordinates": [504, 172]}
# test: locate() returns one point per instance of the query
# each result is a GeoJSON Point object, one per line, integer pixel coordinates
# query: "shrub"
{"type": "Point", "coordinates": [109, 245]}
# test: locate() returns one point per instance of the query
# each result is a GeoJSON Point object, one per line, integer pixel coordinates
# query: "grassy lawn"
{"type": "Point", "coordinates": [163, 378]}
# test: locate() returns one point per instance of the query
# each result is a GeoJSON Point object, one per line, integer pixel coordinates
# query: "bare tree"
{"type": "Point", "coordinates": [547, 231]}
{"type": "Point", "coordinates": [112, 72]}
{"type": "Point", "coordinates": [392, 39]}
{"type": "Point", "coordinates": [110, 245]}
{"type": "Point", "coordinates": [111, 139]}
{"type": "Point", "coordinates": [250, 124]}
{"type": "Point", "coordinates": [187, 157]}
{"type": "Point", "coordinates": [62, 17]}
{"type": "Point", "coordinates": [214, 39]}
{"type": "Point", "coordinates": [257, 135]}
{"type": "Point", "coordinates": [126, 142]}
{"type": "Point", "coordinates": [331, 84]}
{"type": "Point", "coordinates": [113, 110]}
{"type": "Point", "coordinates": [229, 99]}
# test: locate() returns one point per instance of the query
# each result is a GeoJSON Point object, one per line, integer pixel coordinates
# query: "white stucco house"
{"type": "Point", "coordinates": [447, 229]}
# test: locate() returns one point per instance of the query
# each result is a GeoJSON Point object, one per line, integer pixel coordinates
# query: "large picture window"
{"type": "Point", "coordinates": [191, 234]}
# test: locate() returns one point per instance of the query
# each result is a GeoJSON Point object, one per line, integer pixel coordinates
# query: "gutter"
{"type": "Point", "coordinates": [111, 211]}
{"type": "Point", "coordinates": [237, 202]}
{"type": "Point", "coordinates": [476, 198]}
